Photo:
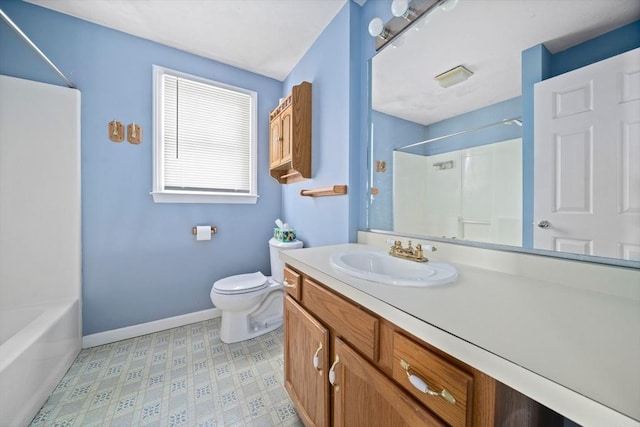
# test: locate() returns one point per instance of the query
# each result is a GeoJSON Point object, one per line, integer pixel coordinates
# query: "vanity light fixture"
{"type": "Point", "coordinates": [453, 76]}
{"type": "Point", "coordinates": [377, 29]}
{"type": "Point", "coordinates": [401, 9]}
{"type": "Point", "coordinates": [405, 13]}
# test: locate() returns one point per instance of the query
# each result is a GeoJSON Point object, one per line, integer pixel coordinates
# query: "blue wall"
{"type": "Point", "coordinates": [370, 10]}
{"type": "Point", "coordinates": [618, 41]}
{"type": "Point", "coordinates": [476, 119]}
{"type": "Point", "coordinates": [325, 220]}
{"type": "Point", "coordinates": [389, 132]}
{"type": "Point", "coordinates": [140, 261]}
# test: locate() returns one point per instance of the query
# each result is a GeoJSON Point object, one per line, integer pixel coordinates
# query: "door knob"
{"type": "Point", "coordinates": [544, 224]}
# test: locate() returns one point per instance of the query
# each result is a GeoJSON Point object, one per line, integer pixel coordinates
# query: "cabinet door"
{"type": "Point", "coordinates": [275, 142]}
{"type": "Point", "coordinates": [286, 122]}
{"type": "Point", "coordinates": [304, 379]}
{"type": "Point", "coordinates": [363, 396]}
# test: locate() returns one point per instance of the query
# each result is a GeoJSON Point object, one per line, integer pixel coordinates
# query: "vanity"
{"type": "Point", "coordinates": [516, 339]}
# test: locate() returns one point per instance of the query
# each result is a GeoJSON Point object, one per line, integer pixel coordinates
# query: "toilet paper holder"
{"type": "Point", "coordinates": [214, 230]}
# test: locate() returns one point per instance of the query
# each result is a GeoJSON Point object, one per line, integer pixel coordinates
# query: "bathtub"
{"type": "Point", "coordinates": [38, 344]}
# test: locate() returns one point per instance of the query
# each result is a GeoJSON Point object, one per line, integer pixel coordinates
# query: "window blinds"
{"type": "Point", "coordinates": [206, 137]}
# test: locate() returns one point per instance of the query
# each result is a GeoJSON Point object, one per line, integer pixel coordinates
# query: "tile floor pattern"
{"type": "Point", "coordinates": [179, 377]}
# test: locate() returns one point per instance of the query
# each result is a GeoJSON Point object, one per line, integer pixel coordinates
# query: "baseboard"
{"type": "Point", "coordinates": [120, 334]}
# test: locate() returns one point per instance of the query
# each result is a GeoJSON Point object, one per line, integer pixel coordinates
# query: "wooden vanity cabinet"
{"type": "Point", "coordinates": [343, 367]}
{"type": "Point", "coordinates": [290, 136]}
{"type": "Point", "coordinates": [363, 396]}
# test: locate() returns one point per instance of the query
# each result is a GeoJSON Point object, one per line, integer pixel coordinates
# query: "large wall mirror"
{"type": "Point", "coordinates": [463, 156]}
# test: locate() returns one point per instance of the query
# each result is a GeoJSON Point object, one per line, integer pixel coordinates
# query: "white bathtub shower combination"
{"type": "Point", "coordinates": [38, 344]}
{"type": "Point", "coordinates": [40, 243]}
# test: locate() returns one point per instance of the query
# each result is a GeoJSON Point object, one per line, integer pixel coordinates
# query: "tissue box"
{"type": "Point", "coordinates": [284, 235]}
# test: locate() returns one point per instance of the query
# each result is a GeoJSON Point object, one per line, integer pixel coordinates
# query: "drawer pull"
{"type": "Point", "coordinates": [288, 285]}
{"type": "Point", "coordinates": [316, 359]}
{"type": "Point", "coordinates": [422, 385]}
{"type": "Point", "coordinates": [332, 374]}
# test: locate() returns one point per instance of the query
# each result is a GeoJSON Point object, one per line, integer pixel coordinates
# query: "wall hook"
{"type": "Point", "coordinates": [134, 133]}
{"type": "Point", "coordinates": [116, 131]}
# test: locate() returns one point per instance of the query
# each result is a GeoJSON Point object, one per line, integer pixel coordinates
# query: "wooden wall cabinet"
{"type": "Point", "coordinates": [343, 368]}
{"type": "Point", "coordinates": [290, 136]}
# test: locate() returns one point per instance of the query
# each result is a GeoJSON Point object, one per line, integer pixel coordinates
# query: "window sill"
{"type": "Point", "coordinates": [196, 197]}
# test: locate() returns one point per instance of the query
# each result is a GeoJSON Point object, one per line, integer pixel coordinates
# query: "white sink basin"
{"type": "Point", "coordinates": [379, 266]}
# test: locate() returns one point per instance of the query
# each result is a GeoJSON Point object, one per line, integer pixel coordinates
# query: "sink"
{"type": "Point", "coordinates": [379, 266]}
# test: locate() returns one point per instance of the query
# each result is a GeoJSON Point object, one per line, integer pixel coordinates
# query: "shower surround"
{"type": "Point", "coordinates": [40, 242]}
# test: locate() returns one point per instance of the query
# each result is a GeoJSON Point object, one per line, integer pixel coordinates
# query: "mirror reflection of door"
{"type": "Point", "coordinates": [587, 151]}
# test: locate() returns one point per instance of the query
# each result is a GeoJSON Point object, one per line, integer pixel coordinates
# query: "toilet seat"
{"type": "Point", "coordinates": [241, 283]}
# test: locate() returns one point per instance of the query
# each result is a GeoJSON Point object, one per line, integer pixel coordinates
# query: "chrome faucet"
{"type": "Point", "coordinates": [410, 253]}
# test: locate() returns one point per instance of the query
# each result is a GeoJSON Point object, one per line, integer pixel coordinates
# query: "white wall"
{"type": "Point", "coordinates": [40, 219]}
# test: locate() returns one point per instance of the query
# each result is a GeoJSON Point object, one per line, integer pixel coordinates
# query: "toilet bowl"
{"type": "Point", "coordinates": [251, 303]}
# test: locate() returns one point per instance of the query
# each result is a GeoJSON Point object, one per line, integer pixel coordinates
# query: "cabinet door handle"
{"type": "Point", "coordinates": [422, 385]}
{"type": "Point", "coordinates": [316, 359]}
{"type": "Point", "coordinates": [332, 374]}
{"type": "Point", "coordinates": [287, 284]}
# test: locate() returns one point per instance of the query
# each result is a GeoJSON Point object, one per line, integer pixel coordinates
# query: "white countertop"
{"type": "Point", "coordinates": [573, 349]}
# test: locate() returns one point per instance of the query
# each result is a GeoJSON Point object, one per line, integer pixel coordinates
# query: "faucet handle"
{"type": "Point", "coordinates": [419, 254]}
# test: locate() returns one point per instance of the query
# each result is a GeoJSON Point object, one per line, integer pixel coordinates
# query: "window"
{"type": "Point", "coordinates": [204, 145]}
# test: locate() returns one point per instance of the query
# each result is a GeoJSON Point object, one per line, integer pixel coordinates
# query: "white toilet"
{"type": "Point", "coordinates": [251, 303]}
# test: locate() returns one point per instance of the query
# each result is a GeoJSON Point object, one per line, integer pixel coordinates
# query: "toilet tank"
{"type": "Point", "coordinates": [277, 265]}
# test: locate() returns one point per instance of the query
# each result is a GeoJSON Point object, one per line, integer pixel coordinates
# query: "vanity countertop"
{"type": "Point", "coordinates": [574, 349]}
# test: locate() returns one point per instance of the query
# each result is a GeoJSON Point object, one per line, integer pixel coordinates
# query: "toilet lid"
{"type": "Point", "coordinates": [241, 283]}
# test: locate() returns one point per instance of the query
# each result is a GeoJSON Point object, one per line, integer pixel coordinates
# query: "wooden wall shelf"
{"type": "Point", "coordinates": [336, 190]}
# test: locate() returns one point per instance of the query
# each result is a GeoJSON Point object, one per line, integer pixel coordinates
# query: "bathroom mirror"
{"type": "Point", "coordinates": [441, 157]}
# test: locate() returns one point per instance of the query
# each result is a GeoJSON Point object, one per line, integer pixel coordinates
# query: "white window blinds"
{"type": "Point", "coordinates": [207, 137]}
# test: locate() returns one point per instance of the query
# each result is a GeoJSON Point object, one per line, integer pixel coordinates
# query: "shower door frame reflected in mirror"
{"type": "Point", "coordinates": [476, 193]}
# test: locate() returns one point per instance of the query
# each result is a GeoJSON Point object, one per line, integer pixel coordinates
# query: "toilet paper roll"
{"type": "Point", "coordinates": [203, 232]}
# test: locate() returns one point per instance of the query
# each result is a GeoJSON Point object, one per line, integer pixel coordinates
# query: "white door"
{"type": "Point", "coordinates": [587, 160]}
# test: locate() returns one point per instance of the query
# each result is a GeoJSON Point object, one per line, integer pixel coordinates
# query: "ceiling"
{"type": "Point", "coordinates": [267, 37]}
{"type": "Point", "coordinates": [487, 37]}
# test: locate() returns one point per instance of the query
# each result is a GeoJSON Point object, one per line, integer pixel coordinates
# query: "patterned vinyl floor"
{"type": "Point", "coordinates": [179, 377]}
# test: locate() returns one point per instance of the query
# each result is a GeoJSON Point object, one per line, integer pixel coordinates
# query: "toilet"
{"type": "Point", "coordinates": [251, 303]}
